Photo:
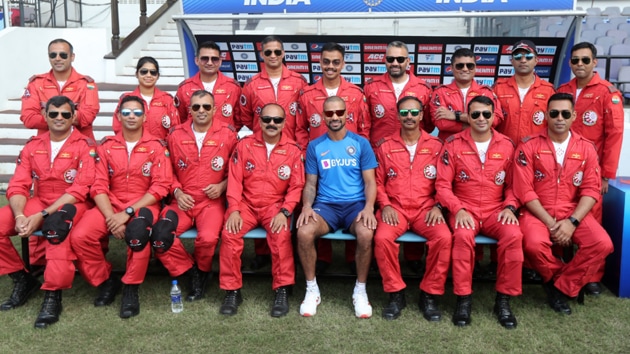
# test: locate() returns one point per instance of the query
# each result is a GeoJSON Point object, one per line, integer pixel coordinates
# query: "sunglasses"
{"type": "Point", "coordinates": [53, 55]}
{"type": "Point", "coordinates": [206, 107]}
{"type": "Point", "coordinates": [205, 59]}
{"type": "Point", "coordinates": [405, 112]}
{"type": "Point", "coordinates": [519, 56]}
{"type": "Point", "coordinates": [327, 62]}
{"type": "Point", "coordinates": [566, 114]}
{"type": "Point", "coordinates": [143, 72]}
{"type": "Point", "coordinates": [585, 60]}
{"type": "Point", "coordinates": [126, 112]}
{"type": "Point", "coordinates": [277, 52]}
{"type": "Point", "coordinates": [476, 114]}
{"type": "Point", "coordinates": [460, 66]}
{"type": "Point", "coordinates": [338, 112]}
{"type": "Point", "coordinates": [268, 119]}
{"type": "Point", "coordinates": [400, 60]}
{"type": "Point", "coordinates": [54, 114]}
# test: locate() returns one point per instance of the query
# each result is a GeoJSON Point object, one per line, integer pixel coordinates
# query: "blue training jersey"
{"type": "Point", "coordinates": [338, 166]}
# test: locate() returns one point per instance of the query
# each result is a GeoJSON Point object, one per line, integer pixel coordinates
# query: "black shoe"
{"type": "Point", "coordinates": [478, 271]}
{"type": "Point", "coordinates": [24, 285]}
{"type": "Point", "coordinates": [491, 270]}
{"type": "Point", "coordinates": [231, 302]}
{"type": "Point", "coordinates": [198, 282]}
{"type": "Point", "coordinates": [260, 261]}
{"type": "Point", "coordinates": [429, 307]}
{"type": "Point", "coordinates": [416, 266]}
{"type": "Point", "coordinates": [321, 266]}
{"type": "Point", "coordinates": [130, 305]}
{"type": "Point", "coordinates": [51, 308]}
{"type": "Point", "coordinates": [281, 302]}
{"type": "Point", "coordinates": [107, 291]}
{"type": "Point", "coordinates": [594, 289]}
{"type": "Point", "coordinates": [463, 308]}
{"type": "Point", "coordinates": [397, 302]}
{"type": "Point", "coordinates": [531, 275]}
{"type": "Point", "coordinates": [557, 300]}
{"type": "Point", "coordinates": [504, 312]}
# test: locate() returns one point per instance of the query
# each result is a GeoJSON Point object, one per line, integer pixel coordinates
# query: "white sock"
{"type": "Point", "coordinates": [359, 287]}
{"type": "Point", "coordinates": [311, 285]}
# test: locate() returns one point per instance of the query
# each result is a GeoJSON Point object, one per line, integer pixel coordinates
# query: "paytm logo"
{"type": "Point", "coordinates": [506, 71]}
{"type": "Point", "coordinates": [295, 57]}
{"type": "Point", "coordinates": [242, 77]}
{"type": "Point", "coordinates": [374, 68]}
{"type": "Point", "coordinates": [428, 69]}
{"type": "Point", "coordinates": [351, 47]}
{"type": "Point", "coordinates": [316, 68]}
{"type": "Point", "coordinates": [330, 163]}
{"type": "Point", "coordinates": [546, 50]}
{"type": "Point", "coordinates": [485, 81]}
{"type": "Point", "coordinates": [353, 79]}
{"type": "Point", "coordinates": [242, 46]}
{"type": "Point", "coordinates": [275, 2]}
{"type": "Point", "coordinates": [492, 49]}
{"type": "Point", "coordinates": [242, 66]}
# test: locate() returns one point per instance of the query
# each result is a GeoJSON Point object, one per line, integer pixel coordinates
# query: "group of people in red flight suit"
{"type": "Point", "coordinates": [502, 147]}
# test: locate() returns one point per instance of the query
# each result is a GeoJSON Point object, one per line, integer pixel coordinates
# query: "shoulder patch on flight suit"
{"type": "Point", "coordinates": [88, 78]}
{"type": "Point", "coordinates": [450, 138]}
{"type": "Point", "coordinates": [380, 142]}
{"type": "Point", "coordinates": [612, 88]}
{"type": "Point", "coordinates": [30, 79]}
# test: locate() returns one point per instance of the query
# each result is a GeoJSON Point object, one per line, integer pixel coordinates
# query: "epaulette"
{"type": "Point", "coordinates": [183, 83]}
{"type": "Point", "coordinates": [235, 82]}
{"type": "Point", "coordinates": [526, 139]}
{"type": "Point", "coordinates": [380, 142]}
{"type": "Point", "coordinates": [297, 145]}
{"type": "Point", "coordinates": [90, 141]}
{"type": "Point", "coordinates": [612, 88]}
{"type": "Point", "coordinates": [450, 138]}
{"type": "Point", "coordinates": [163, 142]}
{"type": "Point", "coordinates": [307, 89]}
{"type": "Point", "coordinates": [231, 127]}
{"type": "Point", "coordinates": [88, 78]}
{"type": "Point", "coordinates": [29, 139]}
{"type": "Point", "coordinates": [249, 80]}
{"type": "Point", "coordinates": [30, 79]}
{"type": "Point", "coordinates": [368, 80]}
{"type": "Point", "coordinates": [105, 138]}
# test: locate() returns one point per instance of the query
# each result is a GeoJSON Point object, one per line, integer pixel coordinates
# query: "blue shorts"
{"type": "Point", "coordinates": [339, 215]}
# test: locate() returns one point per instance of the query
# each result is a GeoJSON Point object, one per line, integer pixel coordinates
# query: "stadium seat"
{"type": "Point", "coordinates": [612, 11]}
{"type": "Point", "coordinates": [589, 35]}
{"type": "Point", "coordinates": [590, 21]}
{"type": "Point", "coordinates": [618, 20]}
{"type": "Point", "coordinates": [618, 35]}
{"type": "Point", "coordinates": [593, 11]}
{"type": "Point", "coordinates": [604, 27]}
{"type": "Point", "coordinates": [624, 27]}
{"type": "Point", "coordinates": [624, 76]}
{"type": "Point", "coordinates": [558, 28]}
{"type": "Point", "coordinates": [626, 41]}
{"type": "Point", "coordinates": [616, 64]}
{"type": "Point", "coordinates": [605, 42]}
{"type": "Point", "coordinates": [626, 11]}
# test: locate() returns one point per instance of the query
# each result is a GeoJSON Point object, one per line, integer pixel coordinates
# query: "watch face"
{"type": "Point", "coordinates": [129, 211]}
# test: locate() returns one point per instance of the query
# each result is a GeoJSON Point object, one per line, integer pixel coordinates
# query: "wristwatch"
{"type": "Point", "coordinates": [574, 221]}
{"type": "Point", "coordinates": [130, 211]}
{"type": "Point", "coordinates": [45, 213]}
{"type": "Point", "coordinates": [458, 116]}
{"type": "Point", "coordinates": [285, 212]}
{"type": "Point", "coordinates": [512, 208]}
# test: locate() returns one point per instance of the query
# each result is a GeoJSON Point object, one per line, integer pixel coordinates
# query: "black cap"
{"type": "Point", "coordinates": [163, 234]}
{"type": "Point", "coordinates": [138, 230]}
{"type": "Point", "coordinates": [525, 44]}
{"type": "Point", "coordinates": [57, 226]}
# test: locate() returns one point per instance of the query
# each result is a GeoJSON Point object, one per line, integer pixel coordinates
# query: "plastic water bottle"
{"type": "Point", "coordinates": [177, 305]}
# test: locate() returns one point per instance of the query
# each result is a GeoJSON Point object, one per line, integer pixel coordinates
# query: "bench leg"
{"type": "Point", "coordinates": [25, 254]}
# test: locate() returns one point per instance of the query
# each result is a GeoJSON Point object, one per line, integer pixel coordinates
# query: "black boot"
{"type": "Point", "coordinates": [429, 307]}
{"type": "Point", "coordinates": [231, 302]}
{"type": "Point", "coordinates": [594, 289]}
{"type": "Point", "coordinates": [557, 300]}
{"type": "Point", "coordinates": [198, 282]}
{"type": "Point", "coordinates": [280, 303]}
{"type": "Point", "coordinates": [107, 291]}
{"type": "Point", "coordinates": [51, 308]}
{"type": "Point", "coordinates": [397, 302]}
{"type": "Point", "coordinates": [504, 312]}
{"type": "Point", "coordinates": [130, 305]}
{"type": "Point", "coordinates": [463, 308]}
{"type": "Point", "coordinates": [260, 261]}
{"type": "Point", "coordinates": [24, 285]}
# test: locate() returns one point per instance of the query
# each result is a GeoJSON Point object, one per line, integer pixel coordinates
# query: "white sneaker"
{"type": "Point", "coordinates": [309, 306]}
{"type": "Point", "coordinates": [362, 307]}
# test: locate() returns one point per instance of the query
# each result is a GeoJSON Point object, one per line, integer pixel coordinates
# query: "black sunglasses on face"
{"type": "Point", "coordinates": [206, 106]}
{"type": "Point", "coordinates": [554, 113]}
{"type": "Point", "coordinates": [205, 59]}
{"type": "Point", "coordinates": [53, 55]}
{"type": "Point", "coordinates": [405, 112]}
{"type": "Point", "coordinates": [477, 114]}
{"type": "Point", "coordinates": [145, 71]}
{"type": "Point", "coordinates": [268, 52]}
{"type": "Point", "coordinates": [268, 119]}
{"type": "Point", "coordinates": [400, 60]}
{"type": "Point", "coordinates": [576, 60]}
{"type": "Point", "coordinates": [338, 112]}
{"type": "Point", "coordinates": [55, 114]}
{"type": "Point", "coordinates": [460, 66]}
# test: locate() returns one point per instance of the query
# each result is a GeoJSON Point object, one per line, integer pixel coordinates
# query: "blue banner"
{"type": "Point", "coordinates": [312, 6]}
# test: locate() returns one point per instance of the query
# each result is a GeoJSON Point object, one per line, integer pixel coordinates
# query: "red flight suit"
{"type": "Point", "coordinates": [521, 119]}
{"type": "Point", "coordinates": [483, 190]}
{"type": "Point", "coordinates": [79, 88]}
{"type": "Point", "coordinates": [161, 114]}
{"type": "Point", "coordinates": [125, 179]}
{"type": "Point", "coordinates": [258, 187]}
{"type": "Point", "coordinates": [381, 100]}
{"type": "Point", "coordinates": [193, 171]}
{"type": "Point", "coordinates": [450, 96]}
{"type": "Point", "coordinates": [72, 172]}
{"type": "Point", "coordinates": [226, 92]}
{"type": "Point", "coordinates": [409, 187]}
{"type": "Point", "coordinates": [559, 188]}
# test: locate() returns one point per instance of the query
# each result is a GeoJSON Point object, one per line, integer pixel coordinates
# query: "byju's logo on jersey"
{"type": "Point", "coordinates": [330, 163]}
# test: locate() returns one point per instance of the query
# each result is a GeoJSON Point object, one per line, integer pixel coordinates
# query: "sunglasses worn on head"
{"type": "Point", "coordinates": [268, 52]}
{"type": "Point", "coordinates": [268, 119]}
{"type": "Point", "coordinates": [206, 107]}
{"type": "Point", "coordinates": [55, 114]}
{"type": "Point", "coordinates": [143, 72]}
{"type": "Point", "coordinates": [400, 60]}
{"type": "Point", "coordinates": [554, 113]}
{"type": "Point", "coordinates": [576, 60]}
{"type": "Point", "coordinates": [460, 66]}
{"type": "Point", "coordinates": [205, 59]}
{"type": "Point", "coordinates": [519, 56]}
{"type": "Point", "coordinates": [405, 112]}
{"type": "Point", "coordinates": [126, 112]}
{"type": "Point", "coordinates": [53, 55]}
{"type": "Point", "coordinates": [477, 114]}
{"type": "Point", "coordinates": [338, 112]}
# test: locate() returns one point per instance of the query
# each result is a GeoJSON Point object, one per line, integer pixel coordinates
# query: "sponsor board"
{"type": "Point", "coordinates": [430, 48]}
{"type": "Point", "coordinates": [294, 47]}
{"type": "Point", "coordinates": [428, 69]}
{"type": "Point", "coordinates": [247, 56]}
{"type": "Point", "coordinates": [244, 66]}
{"type": "Point", "coordinates": [295, 56]}
{"type": "Point", "coordinates": [451, 48]}
{"type": "Point", "coordinates": [429, 58]}
{"type": "Point", "coordinates": [351, 68]}
{"type": "Point", "coordinates": [506, 70]}
{"type": "Point", "coordinates": [483, 70]}
{"type": "Point", "coordinates": [298, 67]}
{"type": "Point", "coordinates": [241, 46]}
{"type": "Point", "coordinates": [374, 68]}
{"type": "Point", "coordinates": [375, 48]}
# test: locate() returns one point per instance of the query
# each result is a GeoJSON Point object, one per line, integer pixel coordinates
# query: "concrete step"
{"type": "Point", "coordinates": [166, 39]}
{"type": "Point", "coordinates": [162, 54]}
{"type": "Point", "coordinates": [164, 63]}
{"type": "Point", "coordinates": [172, 32]}
{"type": "Point", "coordinates": [164, 71]}
{"type": "Point", "coordinates": [164, 46]}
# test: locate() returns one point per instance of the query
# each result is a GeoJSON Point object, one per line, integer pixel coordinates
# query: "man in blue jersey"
{"type": "Point", "coordinates": [339, 193]}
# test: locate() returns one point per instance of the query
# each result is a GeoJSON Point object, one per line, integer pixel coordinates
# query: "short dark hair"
{"type": "Point", "coordinates": [462, 52]}
{"type": "Point", "coordinates": [208, 45]}
{"type": "Point", "coordinates": [560, 96]}
{"type": "Point", "coordinates": [145, 60]}
{"type": "Point", "coordinates": [61, 40]}
{"type": "Point", "coordinates": [585, 45]}
{"type": "Point", "coordinates": [334, 47]}
{"type": "Point", "coordinates": [58, 101]}
{"type": "Point", "coordinates": [273, 104]}
{"type": "Point", "coordinates": [335, 98]}
{"type": "Point", "coordinates": [483, 100]}
{"type": "Point", "coordinates": [270, 39]}
{"type": "Point", "coordinates": [130, 98]}
{"type": "Point", "coordinates": [408, 98]}
{"type": "Point", "coordinates": [202, 93]}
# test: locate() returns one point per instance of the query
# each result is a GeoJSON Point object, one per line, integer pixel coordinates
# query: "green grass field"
{"type": "Point", "coordinates": [601, 326]}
